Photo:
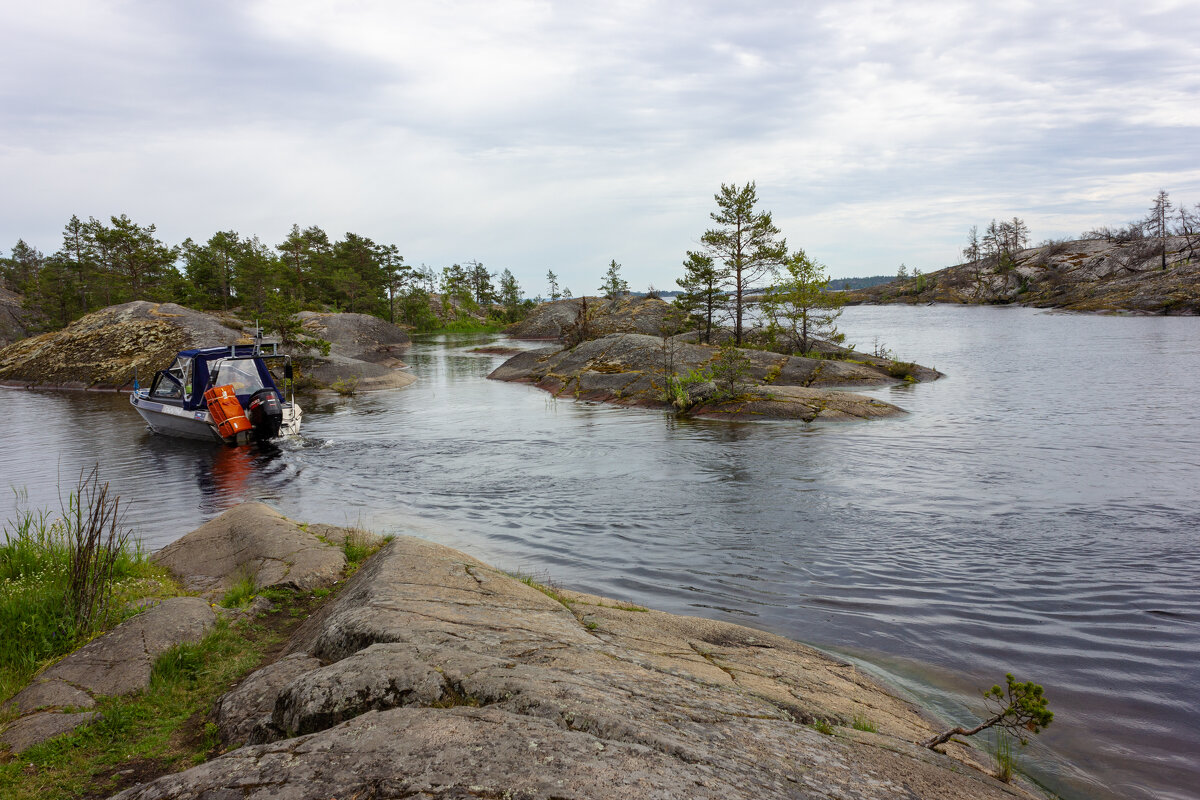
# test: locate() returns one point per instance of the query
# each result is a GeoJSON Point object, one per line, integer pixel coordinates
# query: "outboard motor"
{"type": "Point", "coordinates": [266, 414]}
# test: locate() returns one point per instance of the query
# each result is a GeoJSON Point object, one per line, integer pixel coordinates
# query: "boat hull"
{"type": "Point", "coordinates": [171, 420]}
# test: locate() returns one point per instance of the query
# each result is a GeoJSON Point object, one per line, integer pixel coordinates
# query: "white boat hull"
{"type": "Point", "coordinates": [170, 420]}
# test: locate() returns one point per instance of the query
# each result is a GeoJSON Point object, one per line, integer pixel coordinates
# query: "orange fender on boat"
{"type": "Point", "coordinates": [226, 411]}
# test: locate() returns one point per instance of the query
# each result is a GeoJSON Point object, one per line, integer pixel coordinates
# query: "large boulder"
{"type": "Point", "coordinates": [627, 314]}
{"type": "Point", "coordinates": [364, 351]}
{"type": "Point", "coordinates": [252, 541]}
{"type": "Point", "coordinates": [433, 675]}
{"type": "Point", "coordinates": [15, 319]}
{"type": "Point", "coordinates": [103, 349]}
{"type": "Point", "coordinates": [632, 369]}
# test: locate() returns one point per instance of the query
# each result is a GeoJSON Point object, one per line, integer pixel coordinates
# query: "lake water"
{"type": "Point", "coordinates": [1035, 513]}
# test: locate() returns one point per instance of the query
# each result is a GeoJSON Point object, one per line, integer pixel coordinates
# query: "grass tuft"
{"type": "Point", "coordinates": [548, 589]}
{"type": "Point", "coordinates": [240, 593]}
{"type": "Point", "coordinates": [863, 724]}
{"type": "Point", "coordinates": [1006, 759]}
{"type": "Point", "coordinates": [822, 726]}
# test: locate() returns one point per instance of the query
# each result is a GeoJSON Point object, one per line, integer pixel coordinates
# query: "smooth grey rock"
{"type": "Point", "coordinates": [379, 677]}
{"type": "Point", "coordinates": [251, 539]}
{"type": "Point", "coordinates": [363, 348]}
{"type": "Point", "coordinates": [33, 729]}
{"type": "Point", "coordinates": [120, 661]}
{"type": "Point", "coordinates": [49, 694]}
{"type": "Point", "coordinates": [238, 711]}
{"type": "Point", "coordinates": [506, 690]}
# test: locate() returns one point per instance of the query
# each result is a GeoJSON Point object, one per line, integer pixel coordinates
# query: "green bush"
{"type": "Point", "coordinates": [347, 387]}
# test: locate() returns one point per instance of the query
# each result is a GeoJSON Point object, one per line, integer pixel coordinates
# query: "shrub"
{"type": "Point", "coordinates": [902, 370]}
{"type": "Point", "coordinates": [345, 386]}
{"type": "Point", "coordinates": [728, 369]}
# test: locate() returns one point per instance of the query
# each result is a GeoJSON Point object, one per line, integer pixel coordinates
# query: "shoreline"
{"type": "Point", "coordinates": [428, 667]}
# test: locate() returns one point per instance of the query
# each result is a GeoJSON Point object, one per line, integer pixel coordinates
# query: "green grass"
{"type": "Point", "coordinates": [863, 724]}
{"type": "Point", "coordinates": [240, 593]}
{"type": "Point", "coordinates": [1006, 759]}
{"type": "Point", "coordinates": [625, 607]}
{"type": "Point", "coordinates": [38, 617]}
{"type": "Point", "coordinates": [822, 726]}
{"type": "Point", "coordinates": [159, 730]}
{"type": "Point", "coordinates": [547, 589]}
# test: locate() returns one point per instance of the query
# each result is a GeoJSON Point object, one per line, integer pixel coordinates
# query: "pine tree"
{"type": "Point", "coordinates": [614, 285]}
{"type": "Point", "coordinates": [746, 243]}
{"type": "Point", "coordinates": [702, 296]}
{"type": "Point", "coordinates": [799, 309]}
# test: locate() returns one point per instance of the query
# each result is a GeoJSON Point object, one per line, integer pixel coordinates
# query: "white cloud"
{"type": "Point", "coordinates": [533, 135]}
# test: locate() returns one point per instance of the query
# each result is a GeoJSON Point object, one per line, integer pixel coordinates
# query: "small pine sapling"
{"type": "Point", "coordinates": [1019, 708]}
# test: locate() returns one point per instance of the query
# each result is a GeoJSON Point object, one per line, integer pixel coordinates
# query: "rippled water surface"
{"type": "Point", "coordinates": [1035, 513]}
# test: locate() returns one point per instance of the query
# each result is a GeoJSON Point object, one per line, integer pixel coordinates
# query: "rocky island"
{"type": "Point", "coordinates": [430, 674]}
{"type": "Point", "coordinates": [625, 365]}
{"type": "Point", "coordinates": [101, 350]}
{"type": "Point", "coordinates": [1085, 275]}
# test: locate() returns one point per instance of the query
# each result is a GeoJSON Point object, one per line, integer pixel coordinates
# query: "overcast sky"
{"type": "Point", "coordinates": [539, 135]}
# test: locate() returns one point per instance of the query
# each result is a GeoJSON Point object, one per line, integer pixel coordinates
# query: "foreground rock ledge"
{"type": "Point", "coordinates": [433, 675]}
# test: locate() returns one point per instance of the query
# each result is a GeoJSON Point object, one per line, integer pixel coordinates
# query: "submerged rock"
{"type": "Point", "coordinates": [632, 369]}
{"type": "Point", "coordinates": [434, 675]}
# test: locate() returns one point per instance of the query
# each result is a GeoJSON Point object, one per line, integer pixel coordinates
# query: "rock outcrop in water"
{"type": "Point", "coordinates": [1085, 275]}
{"type": "Point", "coordinates": [628, 314]}
{"type": "Point", "coordinates": [631, 369]}
{"type": "Point", "coordinates": [363, 348]}
{"type": "Point", "coordinates": [433, 675]}
{"type": "Point", "coordinates": [102, 349]}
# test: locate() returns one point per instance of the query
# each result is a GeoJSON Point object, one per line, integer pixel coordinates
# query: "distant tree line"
{"type": "Point", "coordinates": [101, 264]}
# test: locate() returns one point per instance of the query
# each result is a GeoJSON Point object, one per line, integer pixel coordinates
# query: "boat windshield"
{"type": "Point", "coordinates": [182, 371]}
{"type": "Point", "coordinates": [241, 373]}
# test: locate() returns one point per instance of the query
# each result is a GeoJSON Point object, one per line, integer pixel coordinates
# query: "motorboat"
{"type": "Point", "coordinates": [226, 394]}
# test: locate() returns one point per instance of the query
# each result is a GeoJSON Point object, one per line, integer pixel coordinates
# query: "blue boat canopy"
{"type": "Point", "coordinates": [195, 371]}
